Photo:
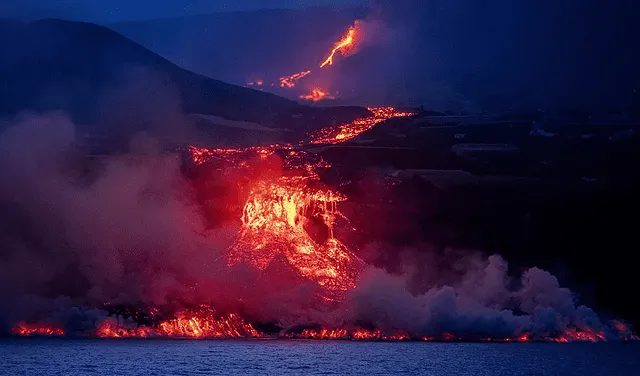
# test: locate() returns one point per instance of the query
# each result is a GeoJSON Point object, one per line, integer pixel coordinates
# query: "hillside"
{"type": "Point", "coordinates": [80, 67]}
{"type": "Point", "coordinates": [241, 46]}
{"type": "Point", "coordinates": [445, 54]}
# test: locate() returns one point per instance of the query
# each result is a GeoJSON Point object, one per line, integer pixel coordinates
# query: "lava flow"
{"type": "Point", "coordinates": [202, 323]}
{"type": "Point", "coordinates": [278, 210]}
{"type": "Point", "coordinates": [26, 330]}
{"type": "Point", "coordinates": [290, 217]}
{"type": "Point", "coordinates": [290, 81]}
{"type": "Point", "coordinates": [316, 95]}
{"type": "Point", "coordinates": [346, 132]}
{"type": "Point", "coordinates": [343, 46]}
{"type": "Point", "coordinates": [277, 213]}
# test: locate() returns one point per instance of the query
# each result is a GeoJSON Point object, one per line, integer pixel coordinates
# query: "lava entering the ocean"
{"type": "Point", "coordinates": [279, 207]}
{"type": "Point", "coordinates": [202, 323]}
{"type": "Point", "coordinates": [45, 330]}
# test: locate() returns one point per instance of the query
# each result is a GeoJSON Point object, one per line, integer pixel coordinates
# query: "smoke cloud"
{"type": "Point", "coordinates": [483, 302]}
{"type": "Point", "coordinates": [124, 234]}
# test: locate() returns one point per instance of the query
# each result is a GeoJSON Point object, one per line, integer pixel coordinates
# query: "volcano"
{"type": "Point", "coordinates": [229, 241]}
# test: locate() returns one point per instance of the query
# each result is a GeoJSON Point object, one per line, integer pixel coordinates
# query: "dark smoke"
{"type": "Point", "coordinates": [484, 301]}
{"type": "Point", "coordinates": [127, 235]}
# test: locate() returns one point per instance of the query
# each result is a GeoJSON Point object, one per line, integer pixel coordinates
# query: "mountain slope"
{"type": "Point", "coordinates": [500, 55]}
{"type": "Point", "coordinates": [80, 67]}
{"type": "Point", "coordinates": [241, 46]}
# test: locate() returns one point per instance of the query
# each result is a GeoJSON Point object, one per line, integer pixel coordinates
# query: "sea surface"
{"type": "Point", "coordinates": [273, 357]}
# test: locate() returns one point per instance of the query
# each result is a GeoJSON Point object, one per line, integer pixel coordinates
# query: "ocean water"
{"type": "Point", "coordinates": [272, 357]}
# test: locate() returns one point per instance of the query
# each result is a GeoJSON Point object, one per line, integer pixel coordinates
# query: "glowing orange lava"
{"type": "Point", "coordinates": [202, 323]}
{"type": "Point", "coordinates": [346, 132]}
{"type": "Point", "coordinates": [316, 95]}
{"type": "Point", "coordinates": [25, 330]}
{"type": "Point", "coordinates": [255, 83]}
{"type": "Point", "coordinates": [290, 81]}
{"type": "Point", "coordinates": [108, 329]}
{"type": "Point", "coordinates": [343, 334]}
{"type": "Point", "coordinates": [343, 46]}
{"type": "Point", "coordinates": [276, 215]}
{"type": "Point", "coordinates": [584, 335]}
{"type": "Point", "coordinates": [235, 157]}
{"type": "Point", "coordinates": [278, 210]}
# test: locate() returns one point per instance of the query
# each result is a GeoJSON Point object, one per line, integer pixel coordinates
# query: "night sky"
{"type": "Point", "coordinates": [121, 10]}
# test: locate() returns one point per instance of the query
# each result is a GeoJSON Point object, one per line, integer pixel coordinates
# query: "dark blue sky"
{"type": "Point", "coordinates": [119, 10]}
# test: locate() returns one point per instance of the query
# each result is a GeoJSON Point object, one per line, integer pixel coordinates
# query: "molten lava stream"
{"type": "Point", "coordinates": [349, 131]}
{"type": "Point", "coordinates": [277, 212]}
{"type": "Point", "coordinates": [343, 46]}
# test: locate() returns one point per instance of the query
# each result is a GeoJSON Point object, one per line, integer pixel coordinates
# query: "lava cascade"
{"type": "Point", "coordinates": [204, 325]}
{"type": "Point", "coordinates": [276, 213]}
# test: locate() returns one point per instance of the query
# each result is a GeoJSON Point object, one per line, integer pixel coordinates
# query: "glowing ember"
{"type": "Point", "coordinates": [255, 83]}
{"type": "Point", "coordinates": [624, 331]}
{"type": "Point", "coordinates": [343, 334]}
{"type": "Point", "coordinates": [316, 95]}
{"type": "Point", "coordinates": [290, 81]}
{"type": "Point", "coordinates": [235, 157]}
{"type": "Point", "coordinates": [26, 330]}
{"type": "Point", "coordinates": [346, 132]}
{"type": "Point", "coordinates": [323, 334]}
{"type": "Point", "coordinates": [366, 334]}
{"type": "Point", "coordinates": [343, 46]}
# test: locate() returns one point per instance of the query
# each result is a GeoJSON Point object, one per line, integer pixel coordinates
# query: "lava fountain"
{"type": "Point", "coordinates": [344, 46]}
